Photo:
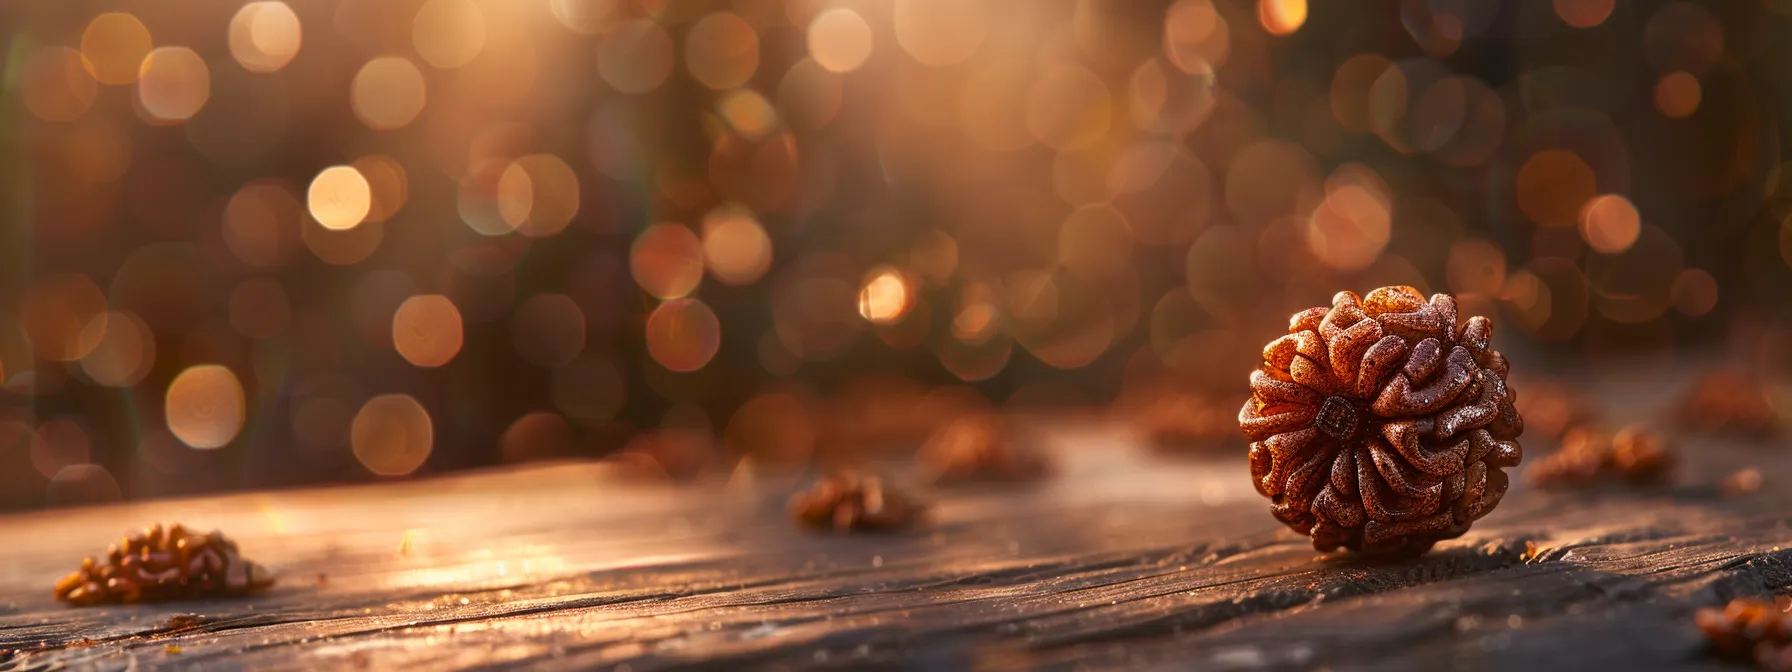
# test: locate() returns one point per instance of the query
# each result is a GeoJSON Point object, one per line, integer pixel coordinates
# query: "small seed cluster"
{"type": "Point", "coordinates": [161, 564]}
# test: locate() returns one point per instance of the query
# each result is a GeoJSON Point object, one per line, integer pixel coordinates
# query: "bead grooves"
{"type": "Point", "coordinates": [1381, 424]}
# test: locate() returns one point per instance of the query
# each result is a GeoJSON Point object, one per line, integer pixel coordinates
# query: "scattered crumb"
{"type": "Point", "coordinates": [185, 621]}
{"type": "Point", "coordinates": [172, 649]}
{"type": "Point", "coordinates": [1749, 628]}
{"type": "Point", "coordinates": [322, 579]}
{"type": "Point", "coordinates": [850, 501]}
{"type": "Point", "coordinates": [404, 545]}
{"type": "Point", "coordinates": [1531, 551]}
{"type": "Point", "coordinates": [1641, 456]}
{"type": "Point", "coordinates": [1744, 482]}
{"type": "Point", "coordinates": [1588, 455]}
{"type": "Point", "coordinates": [1729, 401]}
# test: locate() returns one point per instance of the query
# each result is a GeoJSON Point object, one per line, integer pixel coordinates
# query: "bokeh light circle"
{"type": "Point", "coordinates": [1281, 17]}
{"type": "Point", "coordinates": [265, 36]}
{"type": "Point", "coordinates": [173, 84]}
{"type": "Point", "coordinates": [683, 334]}
{"type": "Point", "coordinates": [1695, 292]}
{"type": "Point", "coordinates": [114, 45]}
{"type": "Point", "coordinates": [667, 260]}
{"type": "Point", "coordinates": [58, 313]}
{"type": "Point", "coordinates": [722, 50]}
{"type": "Point", "coordinates": [885, 297]}
{"type": "Point", "coordinates": [388, 93]}
{"type": "Point", "coordinates": [840, 40]}
{"type": "Point", "coordinates": [1677, 94]}
{"type": "Point", "coordinates": [1553, 185]}
{"type": "Point", "coordinates": [735, 247]}
{"type": "Point", "coordinates": [1584, 13]}
{"type": "Point", "coordinates": [1610, 224]}
{"type": "Point", "coordinates": [204, 406]}
{"type": "Point", "coordinates": [124, 350]}
{"type": "Point", "coordinates": [426, 330]}
{"type": "Point", "coordinates": [940, 32]}
{"type": "Point", "coordinates": [538, 195]}
{"type": "Point", "coordinates": [392, 435]}
{"type": "Point", "coordinates": [58, 84]}
{"type": "Point", "coordinates": [448, 33]}
{"type": "Point", "coordinates": [339, 198]}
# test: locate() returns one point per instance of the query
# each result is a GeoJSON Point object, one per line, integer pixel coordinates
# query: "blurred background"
{"type": "Point", "coordinates": [278, 242]}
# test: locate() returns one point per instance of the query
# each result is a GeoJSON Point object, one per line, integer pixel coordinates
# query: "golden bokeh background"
{"type": "Point", "coordinates": [252, 244]}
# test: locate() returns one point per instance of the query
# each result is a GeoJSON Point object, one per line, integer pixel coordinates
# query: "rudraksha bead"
{"type": "Point", "coordinates": [1381, 424]}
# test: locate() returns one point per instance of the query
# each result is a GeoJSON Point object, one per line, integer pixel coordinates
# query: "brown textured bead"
{"type": "Point", "coordinates": [1381, 424]}
{"type": "Point", "coordinates": [977, 447]}
{"type": "Point", "coordinates": [852, 501]}
{"type": "Point", "coordinates": [1750, 629]}
{"type": "Point", "coordinates": [163, 563]}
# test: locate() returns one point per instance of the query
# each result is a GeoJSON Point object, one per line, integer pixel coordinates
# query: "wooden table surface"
{"type": "Point", "coordinates": [1122, 560]}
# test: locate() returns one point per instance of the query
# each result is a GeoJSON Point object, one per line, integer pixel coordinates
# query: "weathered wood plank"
{"type": "Point", "coordinates": [1121, 561]}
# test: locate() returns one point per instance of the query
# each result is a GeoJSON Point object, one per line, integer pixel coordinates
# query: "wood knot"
{"type": "Point", "coordinates": [1337, 418]}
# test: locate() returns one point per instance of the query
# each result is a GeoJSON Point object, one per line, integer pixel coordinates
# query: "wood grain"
{"type": "Point", "coordinates": [1122, 560]}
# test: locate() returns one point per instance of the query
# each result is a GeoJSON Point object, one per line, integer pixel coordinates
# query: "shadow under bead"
{"type": "Point", "coordinates": [1381, 424]}
{"type": "Point", "coordinates": [853, 501]}
{"type": "Point", "coordinates": [162, 564]}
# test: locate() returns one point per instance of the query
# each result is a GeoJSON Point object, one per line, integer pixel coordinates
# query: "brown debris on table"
{"type": "Point", "coordinates": [1750, 629]}
{"type": "Point", "coordinates": [1578, 460]}
{"type": "Point", "coordinates": [977, 447]}
{"type": "Point", "coordinates": [1640, 456]}
{"type": "Point", "coordinates": [854, 501]}
{"type": "Point", "coordinates": [1382, 424]}
{"type": "Point", "coordinates": [1588, 455]}
{"type": "Point", "coordinates": [185, 621]}
{"type": "Point", "coordinates": [1745, 481]}
{"type": "Point", "coordinates": [161, 564]}
{"type": "Point", "coordinates": [1729, 401]}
